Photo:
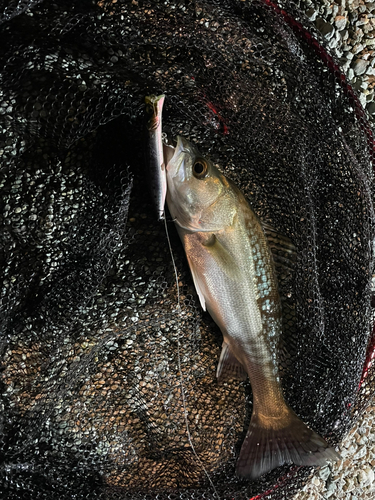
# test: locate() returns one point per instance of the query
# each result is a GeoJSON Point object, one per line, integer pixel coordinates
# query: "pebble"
{"type": "Point", "coordinates": [349, 485]}
{"type": "Point", "coordinates": [324, 473]}
{"type": "Point", "coordinates": [326, 29]}
{"type": "Point", "coordinates": [330, 489]}
{"type": "Point", "coordinates": [340, 22]}
{"type": "Point", "coordinates": [359, 66]}
{"type": "Point", "coordinates": [370, 475]}
{"type": "Point", "coordinates": [316, 481]}
{"type": "Point", "coordinates": [311, 14]}
{"type": "Point", "coordinates": [361, 452]}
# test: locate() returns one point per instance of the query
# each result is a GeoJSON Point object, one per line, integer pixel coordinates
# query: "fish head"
{"type": "Point", "coordinates": [198, 194]}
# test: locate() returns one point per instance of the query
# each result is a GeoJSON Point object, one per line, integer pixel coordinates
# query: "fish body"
{"type": "Point", "coordinates": [154, 153]}
{"type": "Point", "coordinates": [233, 272]}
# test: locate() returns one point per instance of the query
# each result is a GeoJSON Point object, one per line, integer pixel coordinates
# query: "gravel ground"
{"type": "Point", "coordinates": [349, 28]}
{"type": "Point", "coordinates": [351, 478]}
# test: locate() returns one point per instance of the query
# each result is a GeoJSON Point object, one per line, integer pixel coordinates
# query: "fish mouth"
{"type": "Point", "coordinates": [168, 152]}
{"type": "Point", "coordinates": [172, 160]}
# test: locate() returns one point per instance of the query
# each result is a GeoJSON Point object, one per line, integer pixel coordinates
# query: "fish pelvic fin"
{"type": "Point", "coordinates": [229, 367]}
{"type": "Point", "coordinates": [197, 283]}
{"type": "Point", "coordinates": [269, 446]}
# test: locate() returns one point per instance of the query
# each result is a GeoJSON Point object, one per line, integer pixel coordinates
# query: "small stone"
{"type": "Point", "coordinates": [365, 477]}
{"type": "Point", "coordinates": [359, 66]}
{"type": "Point", "coordinates": [358, 35]}
{"type": "Point", "coordinates": [358, 86]}
{"type": "Point", "coordinates": [361, 8]}
{"type": "Point", "coordinates": [361, 452]}
{"type": "Point", "coordinates": [324, 473]}
{"type": "Point", "coordinates": [316, 481]}
{"type": "Point", "coordinates": [349, 56]}
{"type": "Point", "coordinates": [362, 477]}
{"type": "Point", "coordinates": [338, 52]}
{"type": "Point", "coordinates": [335, 40]}
{"type": "Point", "coordinates": [345, 65]}
{"type": "Point", "coordinates": [344, 35]}
{"type": "Point", "coordinates": [350, 74]}
{"type": "Point", "coordinates": [353, 16]}
{"type": "Point", "coordinates": [357, 48]}
{"type": "Point", "coordinates": [340, 22]}
{"type": "Point", "coordinates": [363, 439]}
{"type": "Point", "coordinates": [367, 28]}
{"type": "Point", "coordinates": [331, 488]}
{"type": "Point", "coordinates": [362, 20]}
{"type": "Point", "coordinates": [349, 484]}
{"type": "Point", "coordinates": [362, 99]}
{"type": "Point", "coordinates": [326, 29]}
{"type": "Point", "coordinates": [311, 14]}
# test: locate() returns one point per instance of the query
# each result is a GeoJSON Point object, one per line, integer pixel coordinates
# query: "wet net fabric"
{"type": "Point", "coordinates": [101, 373]}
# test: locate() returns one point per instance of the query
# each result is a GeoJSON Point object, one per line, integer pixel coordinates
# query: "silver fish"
{"type": "Point", "coordinates": [155, 156]}
{"type": "Point", "coordinates": [233, 272]}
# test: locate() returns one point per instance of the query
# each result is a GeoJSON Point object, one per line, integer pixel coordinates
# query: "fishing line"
{"type": "Point", "coordinates": [178, 308]}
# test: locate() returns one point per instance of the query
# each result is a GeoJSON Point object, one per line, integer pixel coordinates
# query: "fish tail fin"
{"type": "Point", "coordinates": [270, 445]}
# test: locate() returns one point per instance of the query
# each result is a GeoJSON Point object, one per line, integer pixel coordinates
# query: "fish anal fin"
{"type": "Point", "coordinates": [229, 367]}
{"type": "Point", "coordinates": [267, 446]}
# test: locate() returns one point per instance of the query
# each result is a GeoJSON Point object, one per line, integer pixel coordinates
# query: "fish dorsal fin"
{"type": "Point", "coordinates": [197, 283]}
{"type": "Point", "coordinates": [283, 251]}
{"type": "Point", "coordinates": [229, 367]}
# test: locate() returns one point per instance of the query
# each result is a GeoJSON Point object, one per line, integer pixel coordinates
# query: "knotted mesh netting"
{"type": "Point", "coordinates": [108, 390]}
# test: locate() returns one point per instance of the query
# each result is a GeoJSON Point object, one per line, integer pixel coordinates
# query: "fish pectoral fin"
{"type": "Point", "coordinates": [229, 367]}
{"type": "Point", "coordinates": [222, 257]}
{"type": "Point", "coordinates": [197, 283]}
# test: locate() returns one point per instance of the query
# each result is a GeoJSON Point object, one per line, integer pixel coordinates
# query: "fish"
{"type": "Point", "coordinates": [154, 153]}
{"type": "Point", "coordinates": [234, 275]}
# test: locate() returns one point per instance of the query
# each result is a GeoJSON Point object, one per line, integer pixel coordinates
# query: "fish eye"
{"type": "Point", "coordinates": [200, 168]}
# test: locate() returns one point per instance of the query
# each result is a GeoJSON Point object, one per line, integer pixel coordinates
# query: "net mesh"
{"type": "Point", "coordinates": [101, 372]}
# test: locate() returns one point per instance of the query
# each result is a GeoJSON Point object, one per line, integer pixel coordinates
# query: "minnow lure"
{"type": "Point", "coordinates": [154, 153]}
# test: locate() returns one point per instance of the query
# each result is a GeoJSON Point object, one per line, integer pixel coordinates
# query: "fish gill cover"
{"type": "Point", "coordinates": [100, 373]}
